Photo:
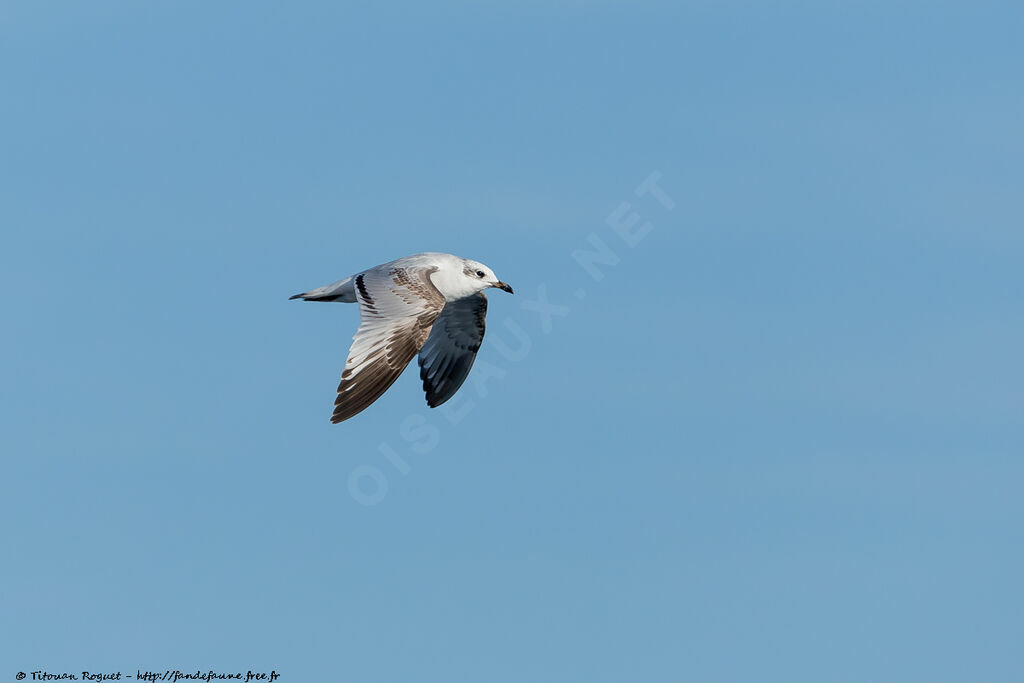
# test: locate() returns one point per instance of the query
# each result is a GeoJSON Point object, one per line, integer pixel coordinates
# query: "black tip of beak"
{"type": "Point", "coordinates": [504, 286]}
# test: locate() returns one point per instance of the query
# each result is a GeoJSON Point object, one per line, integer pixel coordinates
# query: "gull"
{"type": "Point", "coordinates": [432, 304]}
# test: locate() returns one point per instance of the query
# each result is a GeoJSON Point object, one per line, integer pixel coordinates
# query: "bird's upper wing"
{"type": "Point", "coordinates": [450, 350]}
{"type": "Point", "coordinates": [397, 306]}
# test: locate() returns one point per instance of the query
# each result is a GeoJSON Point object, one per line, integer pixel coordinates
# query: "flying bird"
{"type": "Point", "coordinates": [432, 304]}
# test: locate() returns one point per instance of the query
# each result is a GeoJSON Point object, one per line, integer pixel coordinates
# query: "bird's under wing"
{"type": "Point", "coordinates": [397, 307]}
{"type": "Point", "coordinates": [448, 354]}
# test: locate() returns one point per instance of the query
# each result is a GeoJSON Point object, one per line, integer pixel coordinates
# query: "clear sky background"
{"type": "Point", "coordinates": [780, 440]}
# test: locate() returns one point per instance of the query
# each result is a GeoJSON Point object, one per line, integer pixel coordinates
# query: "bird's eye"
{"type": "Point", "coordinates": [479, 273]}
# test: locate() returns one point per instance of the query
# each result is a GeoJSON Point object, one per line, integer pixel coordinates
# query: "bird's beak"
{"type": "Point", "coordinates": [504, 287]}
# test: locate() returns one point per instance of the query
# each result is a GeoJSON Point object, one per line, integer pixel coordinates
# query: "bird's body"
{"type": "Point", "coordinates": [432, 304]}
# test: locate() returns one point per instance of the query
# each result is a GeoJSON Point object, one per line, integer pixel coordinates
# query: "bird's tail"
{"type": "Point", "coordinates": [342, 290]}
{"type": "Point", "coordinates": [309, 296]}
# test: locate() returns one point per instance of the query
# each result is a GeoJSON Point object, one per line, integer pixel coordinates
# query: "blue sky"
{"type": "Point", "coordinates": [779, 440]}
